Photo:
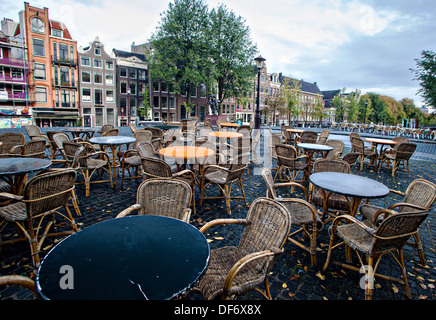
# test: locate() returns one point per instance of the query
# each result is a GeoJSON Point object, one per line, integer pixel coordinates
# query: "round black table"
{"type": "Point", "coordinates": [135, 257]}
{"type": "Point", "coordinates": [83, 133]}
{"type": "Point", "coordinates": [14, 170]}
{"type": "Point", "coordinates": [350, 185]}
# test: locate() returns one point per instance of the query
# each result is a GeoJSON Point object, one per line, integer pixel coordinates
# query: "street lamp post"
{"type": "Point", "coordinates": [364, 116]}
{"type": "Point", "coordinates": [259, 64]}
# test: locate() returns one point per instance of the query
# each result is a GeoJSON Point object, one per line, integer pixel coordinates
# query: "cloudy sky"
{"type": "Point", "coordinates": [368, 45]}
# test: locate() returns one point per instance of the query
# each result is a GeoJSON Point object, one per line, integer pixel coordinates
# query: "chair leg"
{"type": "Point", "coordinates": [243, 192]}
{"type": "Point", "coordinates": [369, 279]}
{"type": "Point", "coordinates": [418, 245]}
{"type": "Point", "coordinates": [403, 273]}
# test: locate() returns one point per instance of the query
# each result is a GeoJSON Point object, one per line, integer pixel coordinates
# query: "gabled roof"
{"type": "Point", "coordinates": [304, 85]}
{"type": "Point", "coordinates": [127, 54]}
{"type": "Point", "coordinates": [330, 94]}
{"type": "Point", "coordinates": [60, 26]}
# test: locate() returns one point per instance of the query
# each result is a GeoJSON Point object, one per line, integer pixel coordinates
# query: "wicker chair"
{"type": "Point", "coordinates": [419, 195]}
{"type": "Point", "coordinates": [43, 197]}
{"type": "Point", "coordinates": [308, 136]}
{"type": "Point", "coordinates": [358, 146]}
{"type": "Point", "coordinates": [31, 149]}
{"type": "Point", "coordinates": [374, 242]}
{"type": "Point", "coordinates": [224, 177]}
{"type": "Point", "coordinates": [289, 160]}
{"type": "Point", "coordinates": [9, 140]}
{"type": "Point", "coordinates": [323, 136]}
{"type": "Point", "coordinates": [273, 141]}
{"type": "Point", "coordinates": [162, 197]}
{"type": "Point", "coordinates": [236, 270]}
{"type": "Point", "coordinates": [156, 138]}
{"type": "Point", "coordinates": [157, 168]}
{"type": "Point", "coordinates": [338, 148]}
{"type": "Point", "coordinates": [89, 163]}
{"type": "Point", "coordinates": [131, 158]}
{"type": "Point", "coordinates": [303, 215]}
{"type": "Point", "coordinates": [399, 156]}
{"type": "Point", "coordinates": [105, 128]}
{"type": "Point", "coordinates": [145, 149]}
{"type": "Point", "coordinates": [335, 203]}
{"type": "Point", "coordinates": [18, 280]}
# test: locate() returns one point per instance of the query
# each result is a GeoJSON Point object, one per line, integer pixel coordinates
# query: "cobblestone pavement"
{"type": "Point", "coordinates": [293, 277]}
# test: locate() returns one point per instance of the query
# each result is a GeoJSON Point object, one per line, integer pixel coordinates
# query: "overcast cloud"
{"type": "Point", "coordinates": [368, 45]}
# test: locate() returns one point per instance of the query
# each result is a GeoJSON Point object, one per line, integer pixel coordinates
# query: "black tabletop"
{"type": "Point", "coordinates": [112, 140]}
{"type": "Point", "coordinates": [10, 166]}
{"type": "Point", "coordinates": [349, 184]}
{"type": "Point", "coordinates": [314, 146]}
{"type": "Point", "coordinates": [79, 130]}
{"type": "Point", "coordinates": [135, 257]}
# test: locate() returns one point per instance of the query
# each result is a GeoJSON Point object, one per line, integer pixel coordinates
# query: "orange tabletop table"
{"type": "Point", "coordinates": [229, 124]}
{"type": "Point", "coordinates": [225, 134]}
{"type": "Point", "coordinates": [382, 142]}
{"type": "Point", "coordinates": [295, 130]}
{"type": "Point", "coordinates": [185, 153]}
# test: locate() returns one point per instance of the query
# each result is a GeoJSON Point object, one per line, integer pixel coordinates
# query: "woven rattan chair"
{"type": "Point", "coordinates": [331, 203]}
{"type": "Point", "coordinates": [273, 141]}
{"type": "Point", "coordinates": [105, 128]}
{"type": "Point", "coordinates": [43, 196]}
{"type": "Point", "coordinates": [399, 156]}
{"type": "Point", "coordinates": [9, 140]}
{"type": "Point", "coordinates": [224, 177]}
{"type": "Point", "coordinates": [288, 160]}
{"type": "Point", "coordinates": [419, 195]}
{"type": "Point", "coordinates": [323, 136]}
{"type": "Point", "coordinates": [358, 146]}
{"type": "Point", "coordinates": [88, 164]}
{"type": "Point", "coordinates": [236, 270]}
{"type": "Point", "coordinates": [308, 136]}
{"type": "Point", "coordinates": [130, 159]}
{"type": "Point", "coordinates": [157, 168]}
{"type": "Point", "coordinates": [374, 242]}
{"type": "Point", "coordinates": [157, 137]}
{"type": "Point", "coordinates": [162, 197]}
{"type": "Point", "coordinates": [338, 148]}
{"type": "Point", "coordinates": [31, 149]}
{"type": "Point", "coordinates": [18, 280]}
{"type": "Point", "coordinates": [303, 215]}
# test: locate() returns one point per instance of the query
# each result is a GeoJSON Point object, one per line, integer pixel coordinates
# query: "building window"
{"type": "Point", "coordinates": [132, 73]}
{"type": "Point", "coordinates": [99, 116]}
{"type": "Point", "coordinates": [86, 94]}
{"type": "Point", "coordinates": [65, 76]}
{"type": "Point", "coordinates": [155, 86]}
{"type": "Point", "coordinates": [72, 53]}
{"type": "Point", "coordinates": [97, 51]}
{"type": "Point", "coordinates": [132, 87]}
{"type": "Point", "coordinates": [110, 96]}
{"type": "Point", "coordinates": [84, 61]}
{"type": "Point", "coordinates": [109, 79]}
{"type": "Point", "coordinates": [98, 96]}
{"type": "Point", "coordinates": [164, 103]}
{"type": "Point", "coordinates": [37, 25]}
{"type": "Point", "coordinates": [65, 98]}
{"type": "Point", "coordinates": [123, 72]}
{"type": "Point", "coordinates": [63, 52]}
{"type": "Point", "coordinates": [203, 91]}
{"type": "Point", "coordinates": [123, 87]}
{"type": "Point", "coordinates": [86, 76]}
{"type": "Point", "coordinates": [141, 74]}
{"type": "Point", "coordinates": [98, 78]}
{"type": "Point", "coordinates": [39, 73]}
{"type": "Point", "coordinates": [38, 47]}
{"type": "Point", "coordinates": [55, 51]}
{"type": "Point", "coordinates": [172, 103]}
{"type": "Point", "coordinates": [110, 116]}
{"type": "Point", "coordinates": [41, 94]}
{"type": "Point", "coordinates": [109, 65]}
{"type": "Point", "coordinates": [98, 63]}
{"type": "Point", "coordinates": [57, 33]}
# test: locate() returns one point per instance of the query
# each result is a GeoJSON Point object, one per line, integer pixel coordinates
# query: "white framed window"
{"type": "Point", "coordinates": [86, 76]}
{"type": "Point", "coordinates": [41, 94]}
{"type": "Point", "coordinates": [110, 96]}
{"type": "Point", "coordinates": [85, 61]}
{"type": "Point", "coordinates": [97, 51]}
{"type": "Point", "coordinates": [141, 74]}
{"type": "Point", "coordinates": [98, 63]}
{"type": "Point", "coordinates": [98, 78]}
{"type": "Point", "coordinates": [38, 47]}
{"type": "Point", "coordinates": [57, 33]}
{"type": "Point", "coordinates": [86, 94]}
{"type": "Point", "coordinates": [109, 79]}
{"type": "Point", "coordinates": [39, 73]}
{"type": "Point", "coordinates": [123, 72]}
{"type": "Point", "coordinates": [109, 65]}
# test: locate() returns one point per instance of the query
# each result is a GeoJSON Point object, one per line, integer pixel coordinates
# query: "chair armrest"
{"type": "Point", "coordinates": [351, 219]}
{"type": "Point", "coordinates": [187, 215]}
{"type": "Point", "coordinates": [214, 166]}
{"type": "Point", "coordinates": [240, 264]}
{"type": "Point", "coordinates": [129, 210]}
{"type": "Point", "coordinates": [222, 222]}
{"type": "Point", "coordinates": [16, 149]}
{"type": "Point", "coordinates": [404, 204]}
{"type": "Point", "coordinates": [397, 192]}
{"type": "Point", "coordinates": [291, 184]}
{"type": "Point", "coordinates": [183, 172]}
{"type": "Point", "coordinates": [11, 196]}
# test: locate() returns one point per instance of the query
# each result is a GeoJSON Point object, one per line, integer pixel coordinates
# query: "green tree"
{"type": "Point", "coordinates": [290, 89]}
{"type": "Point", "coordinates": [339, 103]}
{"type": "Point", "coordinates": [180, 51]}
{"type": "Point", "coordinates": [232, 53]}
{"type": "Point", "coordinates": [146, 107]}
{"type": "Point", "coordinates": [378, 114]}
{"type": "Point", "coordinates": [425, 72]}
{"type": "Point", "coordinates": [319, 110]}
{"type": "Point", "coordinates": [352, 107]}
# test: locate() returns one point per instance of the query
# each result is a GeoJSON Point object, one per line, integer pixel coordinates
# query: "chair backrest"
{"type": "Point", "coordinates": [353, 135]}
{"type": "Point", "coordinates": [420, 192]}
{"type": "Point", "coordinates": [145, 149]}
{"type": "Point", "coordinates": [9, 140]}
{"type": "Point", "coordinates": [106, 127]}
{"type": "Point", "coordinates": [323, 136]}
{"type": "Point", "coordinates": [206, 144]}
{"type": "Point", "coordinates": [285, 155]}
{"type": "Point", "coordinates": [32, 131]}
{"type": "Point", "coordinates": [269, 223]}
{"type": "Point", "coordinates": [156, 132]}
{"type": "Point", "coordinates": [404, 151]}
{"type": "Point", "coordinates": [69, 152]}
{"type": "Point", "coordinates": [164, 197]}
{"type": "Point", "coordinates": [34, 148]}
{"type": "Point", "coordinates": [155, 167]}
{"type": "Point", "coordinates": [396, 229]}
{"type": "Point", "coordinates": [237, 166]}
{"type": "Point", "coordinates": [331, 165]}
{"type": "Point", "coordinates": [141, 136]}
{"type": "Point", "coordinates": [308, 136]}
{"type": "Point", "coordinates": [110, 133]}
{"type": "Point", "coordinates": [357, 145]}
{"type": "Point", "coordinates": [133, 128]}
{"type": "Point", "coordinates": [338, 148]}
{"type": "Point", "coordinates": [48, 191]}
{"type": "Point", "coordinates": [270, 190]}
{"type": "Point", "coordinates": [401, 139]}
